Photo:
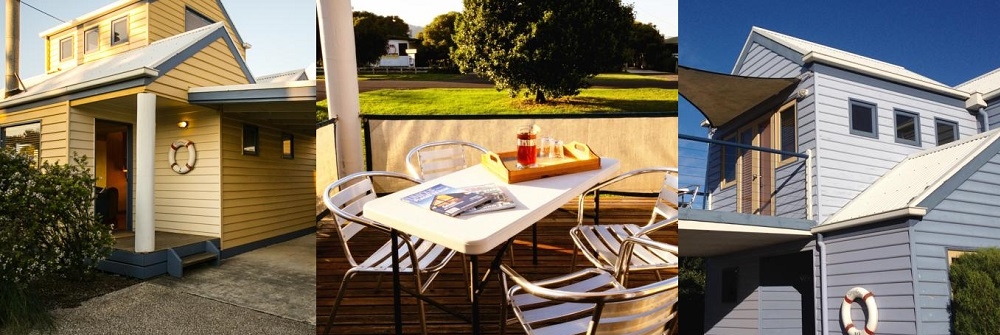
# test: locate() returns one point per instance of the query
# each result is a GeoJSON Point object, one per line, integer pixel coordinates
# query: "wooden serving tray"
{"type": "Point", "coordinates": [577, 157]}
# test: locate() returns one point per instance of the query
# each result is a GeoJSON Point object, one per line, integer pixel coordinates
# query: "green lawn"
{"type": "Point", "coordinates": [412, 76]}
{"type": "Point", "coordinates": [489, 101]}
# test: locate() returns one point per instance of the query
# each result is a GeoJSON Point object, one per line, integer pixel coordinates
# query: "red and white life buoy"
{"type": "Point", "coordinates": [845, 312]}
{"type": "Point", "coordinates": [172, 156]}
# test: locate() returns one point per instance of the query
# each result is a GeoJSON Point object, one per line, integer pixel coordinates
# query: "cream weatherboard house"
{"type": "Point", "coordinates": [141, 84]}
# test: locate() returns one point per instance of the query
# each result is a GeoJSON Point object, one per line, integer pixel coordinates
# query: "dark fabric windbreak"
{"type": "Point", "coordinates": [722, 97]}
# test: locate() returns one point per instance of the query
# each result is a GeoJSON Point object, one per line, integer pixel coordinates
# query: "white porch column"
{"type": "Point", "coordinates": [337, 42]}
{"type": "Point", "coordinates": [145, 149]}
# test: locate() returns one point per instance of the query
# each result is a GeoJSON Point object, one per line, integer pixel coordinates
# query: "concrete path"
{"type": "Point", "coordinates": [270, 290]}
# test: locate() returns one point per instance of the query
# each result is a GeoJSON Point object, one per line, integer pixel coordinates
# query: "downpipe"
{"type": "Point", "coordinates": [824, 319]}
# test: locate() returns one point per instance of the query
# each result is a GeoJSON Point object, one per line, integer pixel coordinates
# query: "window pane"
{"type": "Point", "coordinates": [92, 40]}
{"type": "Point", "coordinates": [119, 31]}
{"type": "Point", "coordinates": [729, 162]}
{"type": "Point", "coordinates": [906, 128]}
{"type": "Point", "coordinates": [24, 139]}
{"type": "Point", "coordinates": [193, 20]}
{"type": "Point", "coordinates": [946, 132]}
{"type": "Point", "coordinates": [66, 48]}
{"type": "Point", "coordinates": [861, 118]}
{"type": "Point", "coordinates": [287, 146]}
{"type": "Point", "coordinates": [250, 140]}
{"type": "Point", "coordinates": [787, 119]}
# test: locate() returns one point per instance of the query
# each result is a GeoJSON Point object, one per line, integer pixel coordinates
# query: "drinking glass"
{"type": "Point", "coordinates": [527, 150]}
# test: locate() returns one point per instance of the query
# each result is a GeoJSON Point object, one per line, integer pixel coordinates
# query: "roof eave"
{"type": "Point", "coordinates": [869, 219]}
{"type": "Point", "coordinates": [123, 76]}
{"type": "Point", "coordinates": [816, 57]}
{"type": "Point", "coordinates": [87, 17]}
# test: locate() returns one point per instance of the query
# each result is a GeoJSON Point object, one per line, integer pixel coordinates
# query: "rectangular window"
{"type": "Point", "coordinates": [66, 49]}
{"type": "Point", "coordinates": [194, 20]}
{"type": "Point", "coordinates": [119, 31]}
{"type": "Point", "coordinates": [787, 133]}
{"type": "Point", "coordinates": [287, 146]}
{"type": "Point", "coordinates": [863, 119]}
{"type": "Point", "coordinates": [402, 48]}
{"type": "Point", "coordinates": [91, 40]}
{"type": "Point", "coordinates": [730, 284]}
{"type": "Point", "coordinates": [907, 127]}
{"type": "Point", "coordinates": [947, 131]}
{"type": "Point", "coordinates": [729, 155]}
{"type": "Point", "coordinates": [25, 139]}
{"type": "Point", "coordinates": [251, 140]}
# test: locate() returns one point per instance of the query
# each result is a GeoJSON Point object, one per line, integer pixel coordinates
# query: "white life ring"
{"type": "Point", "coordinates": [172, 156]}
{"type": "Point", "coordinates": [845, 312]}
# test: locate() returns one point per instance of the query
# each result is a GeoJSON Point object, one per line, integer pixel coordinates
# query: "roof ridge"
{"type": "Point", "coordinates": [824, 46]}
{"type": "Point", "coordinates": [977, 78]}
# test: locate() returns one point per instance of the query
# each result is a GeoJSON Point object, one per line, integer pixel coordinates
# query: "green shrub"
{"type": "Point", "coordinates": [975, 284]}
{"type": "Point", "coordinates": [47, 228]}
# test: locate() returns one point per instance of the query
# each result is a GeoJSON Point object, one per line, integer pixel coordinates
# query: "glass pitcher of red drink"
{"type": "Point", "coordinates": [527, 149]}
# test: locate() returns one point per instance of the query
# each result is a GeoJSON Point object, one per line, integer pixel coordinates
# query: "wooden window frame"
{"type": "Point", "coordinates": [874, 118]}
{"type": "Point", "coordinates": [290, 154]}
{"type": "Point", "coordinates": [776, 125]}
{"type": "Point", "coordinates": [111, 37]}
{"type": "Point", "coordinates": [251, 138]}
{"type": "Point", "coordinates": [916, 127]}
{"type": "Point", "coordinates": [3, 137]}
{"type": "Point", "coordinates": [96, 30]}
{"type": "Point", "coordinates": [72, 46]}
{"type": "Point", "coordinates": [954, 127]}
{"type": "Point", "coordinates": [723, 182]}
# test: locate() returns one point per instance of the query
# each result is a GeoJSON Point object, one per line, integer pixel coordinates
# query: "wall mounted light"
{"type": "Point", "coordinates": [182, 124]}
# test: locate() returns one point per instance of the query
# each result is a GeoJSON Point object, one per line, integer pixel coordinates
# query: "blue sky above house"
{"type": "Point", "coordinates": [282, 32]}
{"type": "Point", "coordinates": [947, 42]}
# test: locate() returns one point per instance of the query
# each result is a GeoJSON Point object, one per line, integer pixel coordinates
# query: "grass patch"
{"type": "Point", "coordinates": [413, 76]}
{"type": "Point", "coordinates": [479, 101]}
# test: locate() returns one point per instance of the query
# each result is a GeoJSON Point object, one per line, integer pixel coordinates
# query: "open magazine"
{"type": "Point", "coordinates": [453, 201]}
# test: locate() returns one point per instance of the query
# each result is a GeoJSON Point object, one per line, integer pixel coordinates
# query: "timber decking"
{"type": "Point", "coordinates": [366, 310]}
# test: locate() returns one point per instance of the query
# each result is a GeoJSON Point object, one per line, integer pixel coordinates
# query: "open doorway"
{"type": "Point", "coordinates": [112, 168]}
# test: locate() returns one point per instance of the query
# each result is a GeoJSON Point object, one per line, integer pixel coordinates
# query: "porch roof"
{"type": "Point", "coordinates": [712, 233]}
{"type": "Point", "coordinates": [722, 97]}
{"type": "Point", "coordinates": [917, 183]}
{"type": "Point", "coordinates": [290, 104]}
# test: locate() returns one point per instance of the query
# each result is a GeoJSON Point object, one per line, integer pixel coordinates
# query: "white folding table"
{"type": "Point", "coordinates": [477, 234]}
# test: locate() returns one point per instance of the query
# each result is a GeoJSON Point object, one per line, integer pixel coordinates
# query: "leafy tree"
{"type": "Point", "coordinates": [975, 284]}
{"type": "Point", "coordinates": [548, 48]}
{"type": "Point", "coordinates": [437, 41]}
{"type": "Point", "coordinates": [372, 32]}
{"type": "Point", "coordinates": [691, 295]}
{"type": "Point", "coordinates": [647, 48]}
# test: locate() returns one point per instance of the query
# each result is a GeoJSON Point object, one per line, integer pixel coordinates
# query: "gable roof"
{"type": "Point", "coordinates": [988, 84]}
{"type": "Point", "coordinates": [813, 52]}
{"type": "Point", "coordinates": [293, 75]}
{"type": "Point", "coordinates": [147, 62]}
{"type": "Point", "coordinates": [905, 190]}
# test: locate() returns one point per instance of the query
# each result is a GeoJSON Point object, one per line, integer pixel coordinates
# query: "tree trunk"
{"type": "Point", "coordinates": [539, 97]}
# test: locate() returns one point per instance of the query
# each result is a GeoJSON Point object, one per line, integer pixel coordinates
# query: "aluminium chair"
{"type": "Point", "coordinates": [434, 159]}
{"type": "Point", "coordinates": [418, 258]}
{"type": "Point", "coordinates": [594, 300]}
{"type": "Point", "coordinates": [600, 243]}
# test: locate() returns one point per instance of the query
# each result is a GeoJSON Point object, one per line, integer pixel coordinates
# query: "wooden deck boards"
{"type": "Point", "coordinates": [366, 310]}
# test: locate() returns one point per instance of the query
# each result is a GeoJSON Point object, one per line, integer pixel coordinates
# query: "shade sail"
{"type": "Point", "coordinates": [722, 97]}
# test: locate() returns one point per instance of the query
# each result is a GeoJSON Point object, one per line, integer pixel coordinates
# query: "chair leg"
{"type": "Point", "coordinates": [336, 302]}
{"type": "Point", "coordinates": [572, 264]}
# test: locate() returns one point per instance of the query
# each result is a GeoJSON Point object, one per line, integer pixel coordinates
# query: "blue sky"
{"type": "Point", "coordinates": [662, 13]}
{"type": "Point", "coordinates": [948, 42]}
{"type": "Point", "coordinates": [274, 50]}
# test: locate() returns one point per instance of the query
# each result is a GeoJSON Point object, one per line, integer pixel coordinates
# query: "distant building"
{"type": "Point", "coordinates": [396, 55]}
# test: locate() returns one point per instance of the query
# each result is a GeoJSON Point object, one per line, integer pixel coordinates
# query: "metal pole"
{"type": "Point", "coordinates": [337, 42]}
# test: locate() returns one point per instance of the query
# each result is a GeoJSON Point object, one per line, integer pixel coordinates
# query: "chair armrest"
{"type": "Point", "coordinates": [618, 178]}
{"type": "Point", "coordinates": [657, 226]}
{"type": "Point", "coordinates": [625, 252]}
{"type": "Point", "coordinates": [619, 293]}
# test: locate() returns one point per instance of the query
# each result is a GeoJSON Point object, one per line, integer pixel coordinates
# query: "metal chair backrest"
{"type": "Point", "coordinates": [348, 203]}
{"type": "Point", "coordinates": [667, 201]}
{"type": "Point", "coordinates": [648, 313]}
{"type": "Point", "coordinates": [435, 159]}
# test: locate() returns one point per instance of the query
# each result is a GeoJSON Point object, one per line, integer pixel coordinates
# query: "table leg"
{"type": "Point", "coordinates": [396, 301]}
{"type": "Point", "coordinates": [475, 296]}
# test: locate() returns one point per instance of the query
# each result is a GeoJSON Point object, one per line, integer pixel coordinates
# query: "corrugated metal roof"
{"type": "Point", "coordinates": [913, 179]}
{"type": "Point", "coordinates": [984, 84]}
{"type": "Point", "coordinates": [149, 57]}
{"type": "Point", "coordinates": [293, 75]}
{"type": "Point", "coordinates": [846, 58]}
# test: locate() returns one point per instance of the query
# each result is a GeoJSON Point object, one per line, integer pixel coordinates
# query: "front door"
{"type": "Point", "coordinates": [112, 165]}
{"type": "Point", "coordinates": [756, 186]}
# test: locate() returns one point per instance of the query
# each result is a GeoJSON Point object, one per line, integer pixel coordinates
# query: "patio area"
{"type": "Point", "coordinates": [366, 310]}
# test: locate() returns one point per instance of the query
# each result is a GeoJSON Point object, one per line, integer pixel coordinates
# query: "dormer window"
{"type": "Point", "coordinates": [66, 49]}
{"type": "Point", "coordinates": [119, 31]}
{"type": "Point", "coordinates": [194, 20]}
{"type": "Point", "coordinates": [91, 40]}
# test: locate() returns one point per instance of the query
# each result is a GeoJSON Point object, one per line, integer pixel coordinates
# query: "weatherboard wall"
{"type": "Point", "coordinates": [966, 218]}
{"type": "Point", "coordinates": [848, 163]}
{"type": "Point", "coordinates": [993, 111]}
{"type": "Point", "coordinates": [137, 38]}
{"type": "Point", "coordinates": [166, 18]}
{"type": "Point", "coordinates": [761, 60]}
{"type": "Point", "coordinates": [213, 65]}
{"type": "Point", "coordinates": [54, 128]}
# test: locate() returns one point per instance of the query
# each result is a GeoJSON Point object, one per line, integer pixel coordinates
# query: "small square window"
{"type": "Point", "coordinates": [730, 284]}
{"type": "Point", "coordinates": [92, 40]}
{"type": "Point", "coordinates": [287, 146]}
{"type": "Point", "coordinates": [863, 118]}
{"type": "Point", "coordinates": [119, 31]}
{"type": "Point", "coordinates": [251, 140]}
{"type": "Point", "coordinates": [729, 157]}
{"type": "Point", "coordinates": [947, 131]}
{"type": "Point", "coordinates": [66, 49]}
{"type": "Point", "coordinates": [907, 127]}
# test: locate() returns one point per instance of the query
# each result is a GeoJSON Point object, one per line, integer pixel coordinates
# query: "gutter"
{"type": "Point", "coordinates": [137, 73]}
{"type": "Point", "coordinates": [893, 214]}
{"type": "Point", "coordinates": [878, 73]}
